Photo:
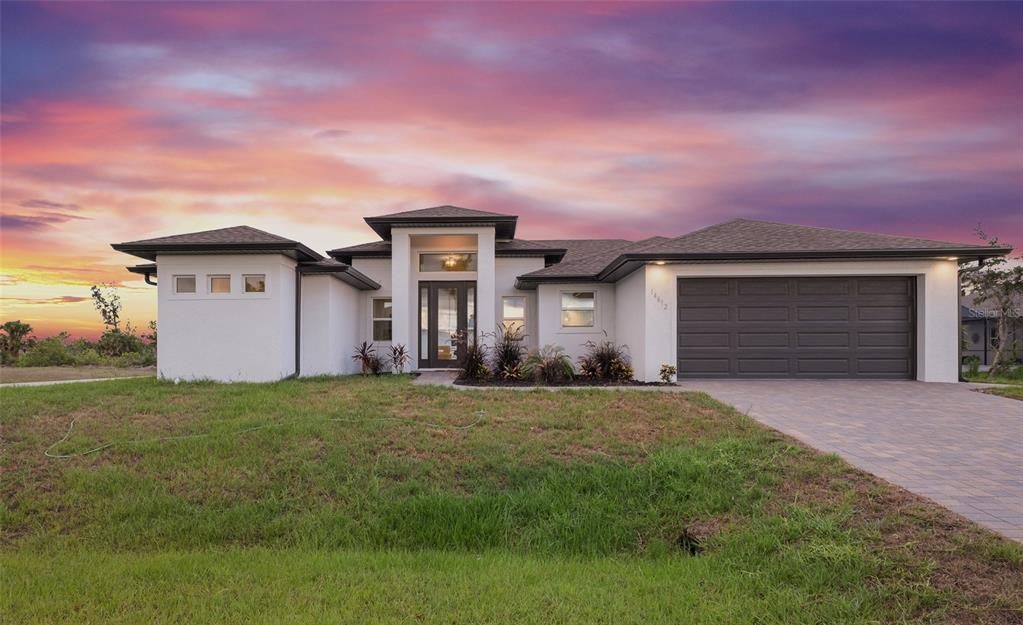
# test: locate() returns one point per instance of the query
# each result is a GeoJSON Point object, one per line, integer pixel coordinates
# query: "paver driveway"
{"type": "Point", "coordinates": [961, 448]}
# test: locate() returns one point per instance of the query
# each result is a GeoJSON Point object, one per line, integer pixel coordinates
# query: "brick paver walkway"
{"type": "Point", "coordinates": [961, 448]}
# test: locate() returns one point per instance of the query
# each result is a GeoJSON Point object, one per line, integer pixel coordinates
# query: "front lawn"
{"type": "Point", "coordinates": [1011, 387]}
{"type": "Point", "coordinates": [372, 500]}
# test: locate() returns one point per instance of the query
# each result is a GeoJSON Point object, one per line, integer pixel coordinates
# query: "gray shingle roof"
{"type": "Point", "coordinates": [446, 211]}
{"type": "Point", "coordinates": [751, 236]}
{"type": "Point", "coordinates": [980, 310]}
{"type": "Point", "coordinates": [582, 264]}
{"type": "Point", "coordinates": [234, 234]}
{"type": "Point", "coordinates": [240, 239]}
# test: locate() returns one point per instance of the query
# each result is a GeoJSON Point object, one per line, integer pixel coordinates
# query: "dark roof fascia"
{"type": "Point", "coordinates": [504, 226]}
{"type": "Point", "coordinates": [150, 250]}
{"type": "Point", "coordinates": [614, 270]}
{"type": "Point", "coordinates": [345, 273]}
{"type": "Point", "coordinates": [625, 264]}
{"type": "Point", "coordinates": [524, 283]}
{"type": "Point", "coordinates": [147, 269]}
{"type": "Point", "coordinates": [550, 255]}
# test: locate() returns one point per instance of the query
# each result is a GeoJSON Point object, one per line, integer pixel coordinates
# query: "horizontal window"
{"type": "Point", "coordinates": [447, 261]}
{"type": "Point", "coordinates": [255, 283]}
{"type": "Point", "coordinates": [220, 284]}
{"type": "Point", "coordinates": [577, 309]}
{"type": "Point", "coordinates": [382, 319]}
{"type": "Point", "coordinates": [184, 284]}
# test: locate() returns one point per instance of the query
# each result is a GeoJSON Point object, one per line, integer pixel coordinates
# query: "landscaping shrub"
{"type": "Point", "coordinates": [606, 361]}
{"type": "Point", "coordinates": [548, 364]}
{"type": "Point", "coordinates": [367, 358]}
{"type": "Point", "coordinates": [398, 357]}
{"type": "Point", "coordinates": [972, 366]}
{"type": "Point", "coordinates": [475, 366]}
{"type": "Point", "coordinates": [509, 352]}
{"type": "Point", "coordinates": [667, 371]}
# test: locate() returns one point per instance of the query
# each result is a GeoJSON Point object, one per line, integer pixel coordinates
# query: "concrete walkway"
{"type": "Point", "coordinates": [52, 382]}
{"type": "Point", "coordinates": [947, 442]}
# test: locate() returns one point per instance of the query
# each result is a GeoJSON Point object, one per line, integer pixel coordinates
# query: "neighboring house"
{"type": "Point", "coordinates": [980, 330]}
{"type": "Point", "coordinates": [740, 299]}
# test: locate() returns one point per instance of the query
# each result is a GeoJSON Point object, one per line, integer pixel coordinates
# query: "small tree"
{"type": "Point", "coordinates": [997, 282]}
{"type": "Point", "coordinates": [151, 337]}
{"type": "Point", "coordinates": [15, 338]}
{"type": "Point", "coordinates": [108, 303]}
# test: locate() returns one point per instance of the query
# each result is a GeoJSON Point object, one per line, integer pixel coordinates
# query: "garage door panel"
{"type": "Point", "coordinates": [763, 339]}
{"type": "Point", "coordinates": [823, 339]}
{"type": "Point", "coordinates": [797, 327]}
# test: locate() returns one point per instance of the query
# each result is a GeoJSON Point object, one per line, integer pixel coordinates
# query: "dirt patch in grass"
{"type": "Point", "coordinates": [10, 375]}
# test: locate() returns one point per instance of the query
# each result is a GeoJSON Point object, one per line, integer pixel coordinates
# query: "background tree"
{"type": "Point", "coordinates": [999, 282]}
{"type": "Point", "coordinates": [16, 337]}
{"type": "Point", "coordinates": [108, 303]}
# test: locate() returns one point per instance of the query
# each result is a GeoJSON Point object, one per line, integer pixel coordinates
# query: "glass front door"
{"type": "Point", "coordinates": [447, 320]}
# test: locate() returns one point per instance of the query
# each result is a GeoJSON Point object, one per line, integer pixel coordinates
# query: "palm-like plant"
{"type": "Point", "coordinates": [548, 365]}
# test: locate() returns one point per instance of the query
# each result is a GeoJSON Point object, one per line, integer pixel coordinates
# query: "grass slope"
{"type": "Point", "coordinates": [373, 500]}
{"type": "Point", "coordinates": [48, 374]}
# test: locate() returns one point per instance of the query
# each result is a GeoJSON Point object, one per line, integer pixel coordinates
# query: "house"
{"type": "Point", "coordinates": [980, 330]}
{"type": "Point", "coordinates": [739, 299]}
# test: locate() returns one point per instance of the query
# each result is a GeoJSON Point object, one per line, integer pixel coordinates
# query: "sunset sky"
{"type": "Point", "coordinates": [123, 121]}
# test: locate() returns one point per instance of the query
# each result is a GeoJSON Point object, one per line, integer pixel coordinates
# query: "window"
{"type": "Point", "coordinates": [382, 319]}
{"type": "Point", "coordinates": [447, 261]}
{"type": "Point", "coordinates": [184, 284]}
{"type": "Point", "coordinates": [577, 309]}
{"type": "Point", "coordinates": [220, 284]}
{"type": "Point", "coordinates": [255, 283]}
{"type": "Point", "coordinates": [513, 314]}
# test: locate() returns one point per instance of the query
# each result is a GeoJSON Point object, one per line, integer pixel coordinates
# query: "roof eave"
{"type": "Point", "coordinates": [504, 226]}
{"type": "Point", "coordinates": [150, 250]}
{"type": "Point", "coordinates": [346, 274]}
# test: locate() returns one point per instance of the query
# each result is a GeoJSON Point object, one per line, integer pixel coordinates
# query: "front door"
{"type": "Point", "coordinates": [447, 319]}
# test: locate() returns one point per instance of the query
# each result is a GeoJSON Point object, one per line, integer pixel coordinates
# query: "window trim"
{"type": "Point", "coordinates": [245, 284]}
{"type": "Point", "coordinates": [373, 319]}
{"type": "Point", "coordinates": [421, 253]}
{"type": "Point", "coordinates": [523, 318]}
{"type": "Point", "coordinates": [195, 285]}
{"type": "Point", "coordinates": [562, 309]}
{"type": "Point", "coordinates": [209, 284]}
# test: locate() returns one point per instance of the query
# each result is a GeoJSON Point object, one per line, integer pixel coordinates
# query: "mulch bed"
{"type": "Point", "coordinates": [576, 383]}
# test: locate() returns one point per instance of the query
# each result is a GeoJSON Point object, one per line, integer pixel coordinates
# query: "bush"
{"type": "Point", "coordinates": [667, 372]}
{"type": "Point", "coordinates": [509, 353]}
{"type": "Point", "coordinates": [49, 352]}
{"type": "Point", "coordinates": [366, 356]}
{"type": "Point", "coordinates": [475, 366]}
{"type": "Point", "coordinates": [606, 361]}
{"type": "Point", "coordinates": [398, 357]}
{"type": "Point", "coordinates": [549, 365]}
{"type": "Point", "coordinates": [118, 343]}
{"type": "Point", "coordinates": [972, 366]}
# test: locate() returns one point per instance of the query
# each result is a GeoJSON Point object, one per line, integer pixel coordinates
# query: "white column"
{"type": "Point", "coordinates": [938, 323]}
{"type": "Point", "coordinates": [402, 303]}
{"type": "Point", "coordinates": [486, 268]}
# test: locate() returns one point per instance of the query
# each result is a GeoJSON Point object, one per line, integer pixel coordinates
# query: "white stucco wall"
{"type": "Point", "coordinates": [330, 322]}
{"type": "Point", "coordinates": [231, 337]}
{"type": "Point", "coordinates": [630, 315]}
{"type": "Point", "coordinates": [573, 340]}
{"type": "Point", "coordinates": [507, 270]}
{"type": "Point", "coordinates": [937, 307]}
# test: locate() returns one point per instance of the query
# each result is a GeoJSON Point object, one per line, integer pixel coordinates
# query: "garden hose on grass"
{"type": "Point", "coordinates": [479, 418]}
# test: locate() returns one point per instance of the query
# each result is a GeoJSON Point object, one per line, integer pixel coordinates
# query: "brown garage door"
{"type": "Point", "coordinates": [854, 327]}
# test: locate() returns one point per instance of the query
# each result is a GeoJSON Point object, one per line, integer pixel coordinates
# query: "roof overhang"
{"type": "Point", "coordinates": [343, 272]}
{"type": "Point", "coordinates": [504, 225]}
{"type": "Point", "coordinates": [149, 251]}
{"type": "Point", "coordinates": [625, 264]}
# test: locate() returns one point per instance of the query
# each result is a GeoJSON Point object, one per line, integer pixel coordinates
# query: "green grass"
{"type": "Point", "coordinates": [374, 500]}
{"type": "Point", "coordinates": [48, 374]}
{"type": "Point", "coordinates": [1013, 386]}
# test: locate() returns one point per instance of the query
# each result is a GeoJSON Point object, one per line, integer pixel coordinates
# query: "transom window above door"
{"type": "Point", "coordinates": [447, 261]}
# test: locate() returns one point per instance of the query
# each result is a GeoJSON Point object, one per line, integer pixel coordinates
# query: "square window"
{"type": "Point", "coordinates": [255, 283]}
{"type": "Point", "coordinates": [577, 309]}
{"type": "Point", "coordinates": [381, 309]}
{"type": "Point", "coordinates": [184, 284]}
{"type": "Point", "coordinates": [220, 284]}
